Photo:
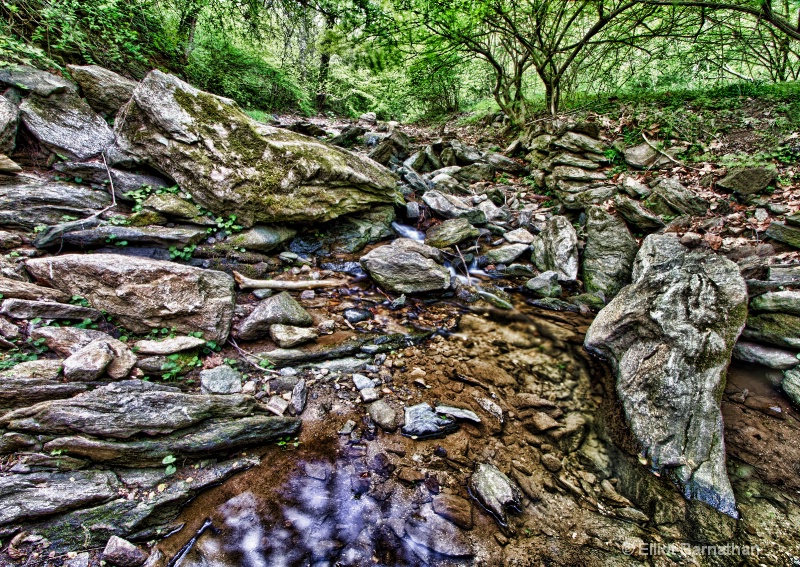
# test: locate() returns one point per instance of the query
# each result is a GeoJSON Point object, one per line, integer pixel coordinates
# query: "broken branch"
{"type": "Point", "coordinates": [248, 283]}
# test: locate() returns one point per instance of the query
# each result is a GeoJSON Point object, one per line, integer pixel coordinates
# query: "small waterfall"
{"type": "Point", "coordinates": [408, 232]}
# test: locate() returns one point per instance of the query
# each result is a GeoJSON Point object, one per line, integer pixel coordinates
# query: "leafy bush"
{"type": "Point", "coordinates": [116, 34]}
{"type": "Point", "coordinates": [218, 66]}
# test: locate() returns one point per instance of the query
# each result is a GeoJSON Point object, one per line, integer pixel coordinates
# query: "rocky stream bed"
{"type": "Point", "coordinates": [237, 343]}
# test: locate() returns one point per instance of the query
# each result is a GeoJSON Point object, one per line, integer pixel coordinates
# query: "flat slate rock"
{"type": "Point", "coordinates": [124, 409]}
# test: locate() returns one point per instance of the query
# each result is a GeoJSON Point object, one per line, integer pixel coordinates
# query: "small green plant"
{"type": "Point", "coordinates": [119, 220]}
{"type": "Point", "coordinates": [79, 300]}
{"type": "Point", "coordinates": [86, 324]}
{"type": "Point", "coordinates": [178, 364]}
{"type": "Point", "coordinates": [228, 226]}
{"type": "Point", "coordinates": [184, 253]}
{"type": "Point", "coordinates": [288, 442]}
{"type": "Point", "coordinates": [39, 228]}
{"type": "Point", "coordinates": [266, 364]}
{"type": "Point", "coordinates": [169, 460]}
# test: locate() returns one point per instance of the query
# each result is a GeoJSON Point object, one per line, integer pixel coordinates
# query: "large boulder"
{"type": "Point", "coordinates": [104, 90]}
{"type": "Point", "coordinates": [144, 294]}
{"type": "Point", "coordinates": [669, 337]}
{"type": "Point", "coordinates": [232, 164]}
{"type": "Point", "coordinates": [609, 253]}
{"type": "Point", "coordinates": [66, 125]}
{"type": "Point", "coordinates": [407, 266]}
{"type": "Point", "coordinates": [26, 202]}
{"type": "Point", "coordinates": [556, 249]}
{"type": "Point", "coordinates": [747, 180]}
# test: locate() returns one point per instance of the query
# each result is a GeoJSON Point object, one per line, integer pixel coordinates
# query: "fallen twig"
{"type": "Point", "coordinates": [666, 155]}
{"type": "Point", "coordinates": [248, 283]}
{"type": "Point", "coordinates": [246, 354]}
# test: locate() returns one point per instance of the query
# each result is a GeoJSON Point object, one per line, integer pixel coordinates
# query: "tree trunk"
{"type": "Point", "coordinates": [324, 64]}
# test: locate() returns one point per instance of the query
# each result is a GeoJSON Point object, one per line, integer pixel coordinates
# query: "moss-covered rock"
{"type": "Point", "coordinates": [231, 164]}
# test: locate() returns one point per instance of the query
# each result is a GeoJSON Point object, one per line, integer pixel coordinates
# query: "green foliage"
{"type": "Point", "coordinates": [169, 460]}
{"type": "Point", "coordinates": [117, 34]}
{"type": "Point", "coordinates": [184, 253]}
{"type": "Point", "coordinates": [178, 364]}
{"type": "Point", "coordinates": [219, 66]}
{"type": "Point", "coordinates": [288, 442]}
{"type": "Point", "coordinates": [29, 351]}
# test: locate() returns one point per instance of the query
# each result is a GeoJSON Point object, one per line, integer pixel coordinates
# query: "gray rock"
{"type": "Point", "coordinates": [784, 233]}
{"type": "Point", "coordinates": [287, 336]}
{"type": "Point", "coordinates": [171, 205]}
{"type": "Point", "coordinates": [262, 238]}
{"type": "Point", "coordinates": [634, 188]}
{"type": "Point", "coordinates": [545, 285]}
{"type": "Point", "coordinates": [577, 174]}
{"type": "Point", "coordinates": [27, 309]}
{"type": "Point", "coordinates": [574, 142]}
{"type": "Point", "coordinates": [669, 337]}
{"type": "Point", "coordinates": [89, 362]}
{"type": "Point", "coordinates": [211, 438]}
{"type": "Point", "coordinates": [124, 409]}
{"type": "Point", "coordinates": [451, 207]}
{"type": "Point", "coordinates": [747, 180]}
{"type": "Point", "coordinates": [23, 290]}
{"type": "Point", "coordinates": [362, 382]}
{"type": "Point", "coordinates": [458, 413]}
{"type": "Point", "coordinates": [105, 91]}
{"type": "Point", "coordinates": [8, 330]}
{"type": "Point", "coordinates": [608, 255]}
{"type": "Point", "coordinates": [258, 172]}
{"type": "Point", "coordinates": [159, 236]}
{"type": "Point", "coordinates": [299, 396]}
{"type": "Point", "coordinates": [780, 329]}
{"type": "Point", "coordinates": [450, 232]}
{"type": "Point", "coordinates": [767, 356]}
{"type": "Point", "coordinates": [278, 309]}
{"type": "Point", "coordinates": [93, 526]}
{"type": "Point", "coordinates": [96, 174]}
{"type": "Point", "coordinates": [66, 125]}
{"type": "Point", "coordinates": [465, 154]}
{"type": "Point", "coordinates": [24, 497]}
{"type": "Point", "coordinates": [669, 196]}
{"type": "Point", "coordinates": [777, 301]}
{"type": "Point", "coordinates": [406, 266]}
{"type": "Point", "coordinates": [189, 299]}
{"type": "Point", "coordinates": [369, 395]}
{"type": "Point", "coordinates": [644, 156]}
{"type": "Point", "coordinates": [502, 163]}
{"type": "Point", "coordinates": [495, 492]}
{"type": "Point", "coordinates": [636, 215]}
{"type": "Point", "coordinates": [556, 249]}
{"type": "Point", "coordinates": [572, 160]}
{"type": "Point", "coordinates": [9, 120]}
{"type": "Point", "coordinates": [519, 236]}
{"type": "Point", "coordinates": [27, 202]}
{"type": "Point", "coordinates": [168, 346]}
{"type": "Point", "coordinates": [220, 380]}
{"type": "Point", "coordinates": [45, 369]}
{"type": "Point", "coordinates": [422, 422]}
{"type": "Point", "coordinates": [32, 80]}
{"type": "Point", "coordinates": [383, 414]}
{"type": "Point", "coordinates": [506, 254]}
{"type": "Point", "coordinates": [123, 553]}
{"type": "Point", "coordinates": [475, 173]}
{"type": "Point", "coordinates": [791, 385]}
